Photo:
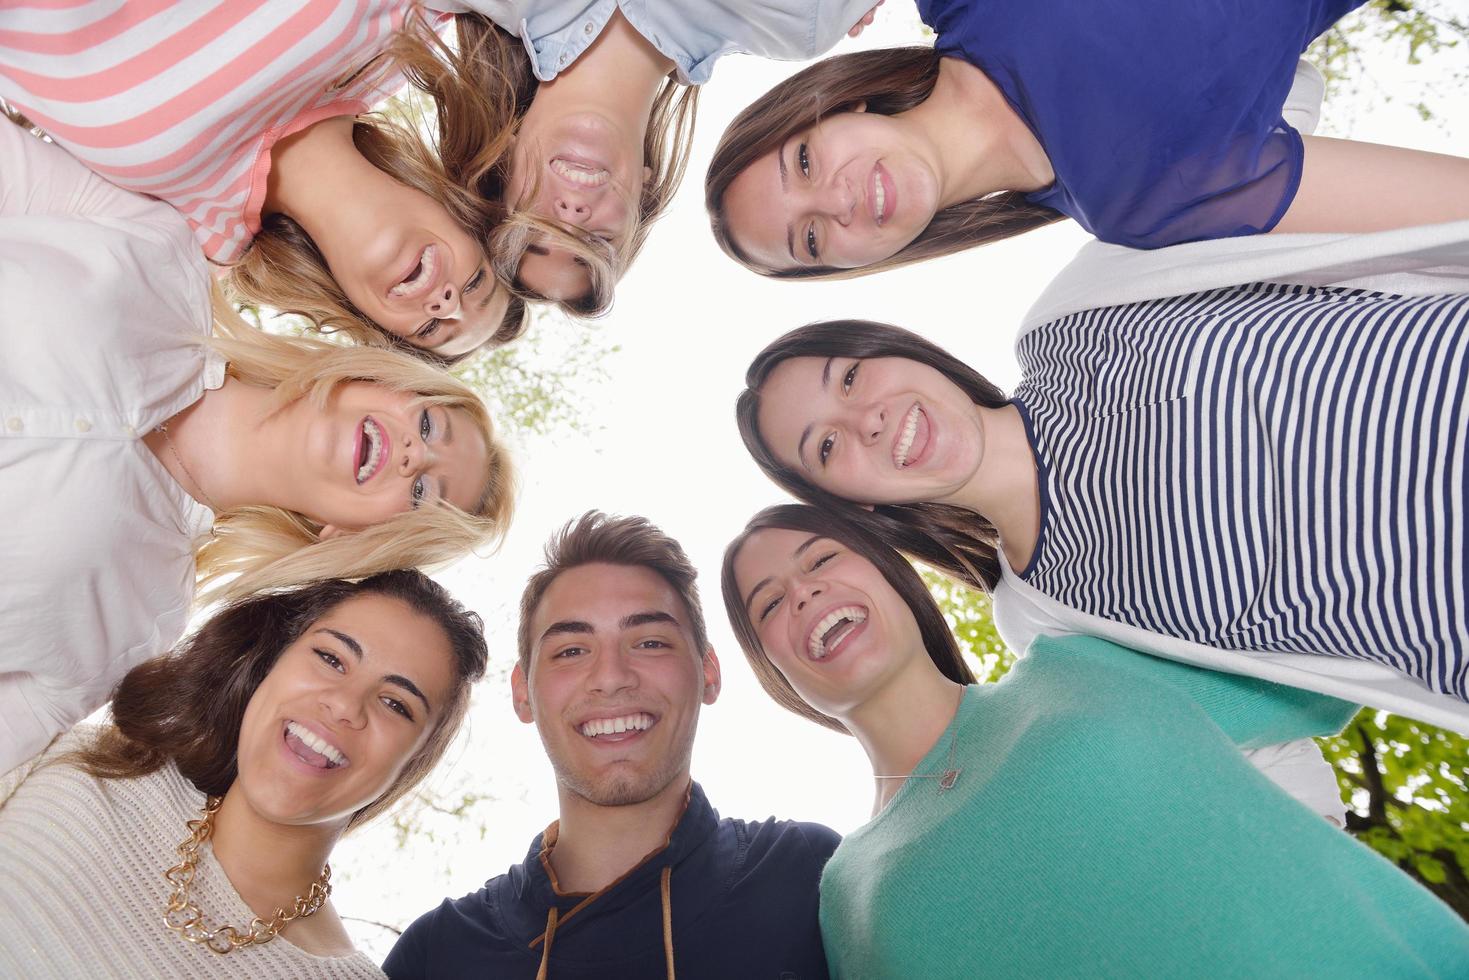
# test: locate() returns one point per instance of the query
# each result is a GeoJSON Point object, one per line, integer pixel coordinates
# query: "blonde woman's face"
{"type": "Point", "coordinates": [845, 193]}
{"type": "Point", "coordinates": [342, 711]}
{"type": "Point", "coordinates": [374, 453]}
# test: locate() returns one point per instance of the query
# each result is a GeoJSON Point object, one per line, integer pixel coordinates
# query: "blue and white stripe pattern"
{"type": "Point", "coordinates": [1268, 467]}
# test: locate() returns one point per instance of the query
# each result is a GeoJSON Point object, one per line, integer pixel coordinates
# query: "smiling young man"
{"type": "Point", "coordinates": [639, 876]}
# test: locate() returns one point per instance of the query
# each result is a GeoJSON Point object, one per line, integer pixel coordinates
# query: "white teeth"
{"type": "Point", "coordinates": [316, 743]}
{"type": "Point", "coordinates": [428, 264]}
{"type": "Point", "coordinates": [374, 437]}
{"type": "Point", "coordinates": [905, 442]}
{"type": "Point", "coordinates": [613, 726]}
{"type": "Point", "coordinates": [879, 197]}
{"type": "Point", "coordinates": [825, 633]}
{"type": "Point", "coordinates": [577, 174]}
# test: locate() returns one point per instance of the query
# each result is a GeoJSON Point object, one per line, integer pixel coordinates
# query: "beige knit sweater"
{"type": "Point", "coordinates": [82, 889]}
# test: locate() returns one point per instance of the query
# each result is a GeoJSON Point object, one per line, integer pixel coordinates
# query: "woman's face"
{"type": "Point", "coordinates": [418, 274]}
{"type": "Point", "coordinates": [343, 709]}
{"type": "Point", "coordinates": [579, 168]}
{"type": "Point", "coordinates": [880, 431]}
{"type": "Point", "coordinates": [825, 616]}
{"type": "Point", "coordinates": [845, 193]}
{"type": "Point", "coordinates": [374, 453]}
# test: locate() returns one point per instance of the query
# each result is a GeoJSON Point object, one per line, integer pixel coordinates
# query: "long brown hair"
{"type": "Point", "coordinates": [666, 149]}
{"type": "Point", "coordinates": [954, 540]}
{"type": "Point", "coordinates": [478, 87]}
{"type": "Point", "coordinates": [889, 81]}
{"type": "Point", "coordinates": [938, 639]}
{"type": "Point", "coordinates": [187, 707]}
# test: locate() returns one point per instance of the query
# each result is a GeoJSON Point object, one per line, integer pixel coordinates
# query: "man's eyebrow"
{"type": "Point", "coordinates": [806, 432]}
{"type": "Point", "coordinates": [347, 641]}
{"type": "Point", "coordinates": [408, 686]}
{"type": "Point", "coordinates": [644, 618]}
{"type": "Point", "coordinates": [800, 550]}
{"type": "Point", "coordinates": [566, 626]}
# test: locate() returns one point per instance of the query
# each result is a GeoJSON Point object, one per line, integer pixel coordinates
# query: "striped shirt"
{"type": "Point", "coordinates": [1262, 468]}
{"type": "Point", "coordinates": [183, 101]}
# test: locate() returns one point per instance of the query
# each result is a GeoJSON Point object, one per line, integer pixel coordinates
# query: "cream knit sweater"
{"type": "Point", "coordinates": [82, 889]}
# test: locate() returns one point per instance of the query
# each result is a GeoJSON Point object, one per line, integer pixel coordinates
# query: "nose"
{"type": "Point", "coordinates": [410, 454]}
{"type": "Point", "coordinates": [837, 199]}
{"type": "Point", "coordinates": [571, 208]}
{"type": "Point", "coordinates": [806, 592]}
{"type": "Point", "coordinates": [871, 422]}
{"type": "Point", "coordinates": [443, 302]}
{"type": "Point", "coordinates": [611, 672]}
{"type": "Point", "coordinates": [343, 708]}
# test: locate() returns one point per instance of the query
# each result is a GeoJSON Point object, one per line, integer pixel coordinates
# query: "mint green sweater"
{"type": "Point", "coordinates": [1105, 824]}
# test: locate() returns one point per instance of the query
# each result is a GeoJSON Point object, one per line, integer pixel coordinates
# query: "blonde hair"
{"type": "Point", "coordinates": [259, 547]}
{"type": "Point", "coordinates": [478, 86]}
{"type": "Point", "coordinates": [666, 150]}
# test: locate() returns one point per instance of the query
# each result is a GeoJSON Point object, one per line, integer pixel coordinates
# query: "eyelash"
{"type": "Point", "coordinates": [335, 663]}
{"type": "Point", "coordinates": [775, 600]}
{"type": "Point", "coordinates": [848, 380]}
{"type": "Point", "coordinates": [419, 490]}
{"type": "Point", "coordinates": [803, 164]}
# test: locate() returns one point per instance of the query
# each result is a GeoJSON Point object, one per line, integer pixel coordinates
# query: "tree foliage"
{"type": "Point", "coordinates": [1406, 784]}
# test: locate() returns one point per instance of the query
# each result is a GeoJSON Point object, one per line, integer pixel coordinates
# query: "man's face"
{"type": "Point", "coordinates": [615, 683]}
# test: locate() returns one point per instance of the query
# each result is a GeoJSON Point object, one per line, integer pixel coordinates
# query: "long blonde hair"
{"type": "Point", "coordinates": [478, 86]}
{"type": "Point", "coordinates": [260, 547]}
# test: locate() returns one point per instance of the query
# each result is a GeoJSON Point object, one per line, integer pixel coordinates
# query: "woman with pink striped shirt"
{"type": "Point", "coordinates": [247, 117]}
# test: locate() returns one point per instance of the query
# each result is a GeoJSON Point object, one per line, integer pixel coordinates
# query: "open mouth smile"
{"type": "Point", "coordinates": [832, 632]}
{"type": "Point", "coordinates": [311, 748]}
{"type": "Point", "coordinates": [913, 438]}
{"type": "Point", "coordinates": [619, 728]}
{"type": "Point", "coordinates": [883, 197]}
{"type": "Point", "coordinates": [580, 173]}
{"type": "Point", "coordinates": [371, 451]}
{"type": "Point", "coordinates": [421, 275]}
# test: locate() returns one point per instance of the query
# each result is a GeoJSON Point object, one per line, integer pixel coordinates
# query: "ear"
{"type": "Point", "coordinates": [520, 695]}
{"type": "Point", "coordinates": [712, 679]}
{"type": "Point", "coordinates": [860, 106]}
{"type": "Point", "coordinates": [647, 174]}
{"type": "Point", "coordinates": [328, 531]}
{"type": "Point", "coordinates": [868, 507]}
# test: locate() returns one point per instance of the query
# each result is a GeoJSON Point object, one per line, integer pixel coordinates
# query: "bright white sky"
{"type": "Point", "coordinates": [663, 444]}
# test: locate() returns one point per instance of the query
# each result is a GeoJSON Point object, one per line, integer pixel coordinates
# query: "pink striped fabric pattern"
{"type": "Point", "coordinates": [183, 99]}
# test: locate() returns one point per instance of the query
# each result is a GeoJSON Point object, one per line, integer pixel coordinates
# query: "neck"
{"type": "Point", "coordinates": [224, 448]}
{"type": "Point", "coordinates": [900, 724]}
{"type": "Point", "coordinates": [318, 178]}
{"type": "Point", "coordinates": [596, 845]}
{"type": "Point", "coordinates": [269, 864]}
{"type": "Point", "coordinates": [979, 144]}
{"type": "Point", "coordinates": [1005, 488]}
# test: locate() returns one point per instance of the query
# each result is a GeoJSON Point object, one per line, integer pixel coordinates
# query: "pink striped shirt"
{"type": "Point", "coordinates": [183, 99]}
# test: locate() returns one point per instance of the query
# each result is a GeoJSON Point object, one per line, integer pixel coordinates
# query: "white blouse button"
{"type": "Point", "coordinates": [83, 425]}
{"type": "Point", "coordinates": [14, 424]}
{"type": "Point", "coordinates": [129, 430]}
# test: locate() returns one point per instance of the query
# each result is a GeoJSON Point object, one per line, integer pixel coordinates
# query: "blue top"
{"type": "Point", "coordinates": [693, 34]}
{"type": "Point", "coordinates": [742, 900]}
{"type": "Point", "coordinates": [1162, 119]}
{"type": "Point", "coordinates": [1099, 821]}
{"type": "Point", "coordinates": [1222, 469]}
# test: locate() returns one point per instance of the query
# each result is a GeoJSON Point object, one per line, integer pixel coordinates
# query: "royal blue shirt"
{"type": "Point", "coordinates": [1161, 118]}
{"type": "Point", "coordinates": [742, 902]}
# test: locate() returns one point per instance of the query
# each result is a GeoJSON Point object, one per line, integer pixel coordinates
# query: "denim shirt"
{"type": "Point", "coordinates": [691, 33]}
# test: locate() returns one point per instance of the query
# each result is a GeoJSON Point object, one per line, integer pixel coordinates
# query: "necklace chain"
{"type": "Point", "coordinates": [947, 778]}
{"type": "Point", "coordinates": [180, 460]}
{"type": "Point", "coordinates": [182, 914]}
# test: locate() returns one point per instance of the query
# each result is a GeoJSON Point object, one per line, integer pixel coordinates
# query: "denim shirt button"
{"type": "Point", "coordinates": [588, 27]}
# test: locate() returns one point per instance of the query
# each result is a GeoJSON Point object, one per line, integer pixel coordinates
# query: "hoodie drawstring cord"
{"type": "Point", "coordinates": [546, 951]}
{"type": "Point", "coordinates": [666, 887]}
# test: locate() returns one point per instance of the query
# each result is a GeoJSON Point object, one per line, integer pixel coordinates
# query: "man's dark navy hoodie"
{"type": "Point", "coordinates": [731, 900]}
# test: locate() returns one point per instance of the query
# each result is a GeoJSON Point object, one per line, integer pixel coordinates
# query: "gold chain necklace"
{"type": "Point", "coordinates": [199, 486]}
{"type": "Point", "coordinates": [182, 915]}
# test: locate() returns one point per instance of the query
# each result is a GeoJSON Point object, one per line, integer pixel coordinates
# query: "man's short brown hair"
{"type": "Point", "coordinates": [598, 538]}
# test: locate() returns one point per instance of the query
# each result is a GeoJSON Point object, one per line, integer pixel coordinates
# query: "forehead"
{"type": "Point", "coordinates": [788, 401]}
{"type": "Point", "coordinates": [767, 552]}
{"type": "Point", "coordinates": [601, 595]}
{"type": "Point", "coordinates": [553, 272]}
{"type": "Point", "coordinates": [755, 212]}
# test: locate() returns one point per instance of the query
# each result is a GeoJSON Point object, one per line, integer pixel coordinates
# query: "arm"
{"type": "Point", "coordinates": [1351, 186]}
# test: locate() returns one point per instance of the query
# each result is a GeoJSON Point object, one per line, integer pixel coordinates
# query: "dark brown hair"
{"type": "Point", "coordinates": [938, 639]}
{"type": "Point", "coordinates": [478, 87]}
{"type": "Point", "coordinates": [954, 540]}
{"type": "Point", "coordinates": [889, 81]}
{"type": "Point", "coordinates": [187, 707]}
{"type": "Point", "coordinates": [597, 538]}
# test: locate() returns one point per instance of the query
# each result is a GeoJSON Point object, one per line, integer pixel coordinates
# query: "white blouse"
{"type": "Point", "coordinates": [103, 299]}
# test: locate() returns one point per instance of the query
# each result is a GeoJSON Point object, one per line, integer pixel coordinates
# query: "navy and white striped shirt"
{"type": "Point", "coordinates": [1275, 468]}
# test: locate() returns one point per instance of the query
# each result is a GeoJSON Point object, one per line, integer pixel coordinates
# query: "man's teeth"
{"type": "Point", "coordinates": [577, 174]}
{"type": "Point", "coordinates": [428, 264]}
{"type": "Point", "coordinates": [317, 744]}
{"type": "Point", "coordinates": [373, 444]}
{"type": "Point", "coordinates": [832, 628]}
{"type": "Point", "coordinates": [905, 441]}
{"type": "Point", "coordinates": [614, 726]}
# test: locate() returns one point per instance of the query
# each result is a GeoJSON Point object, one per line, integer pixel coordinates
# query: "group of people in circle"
{"type": "Point", "coordinates": [1225, 506]}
